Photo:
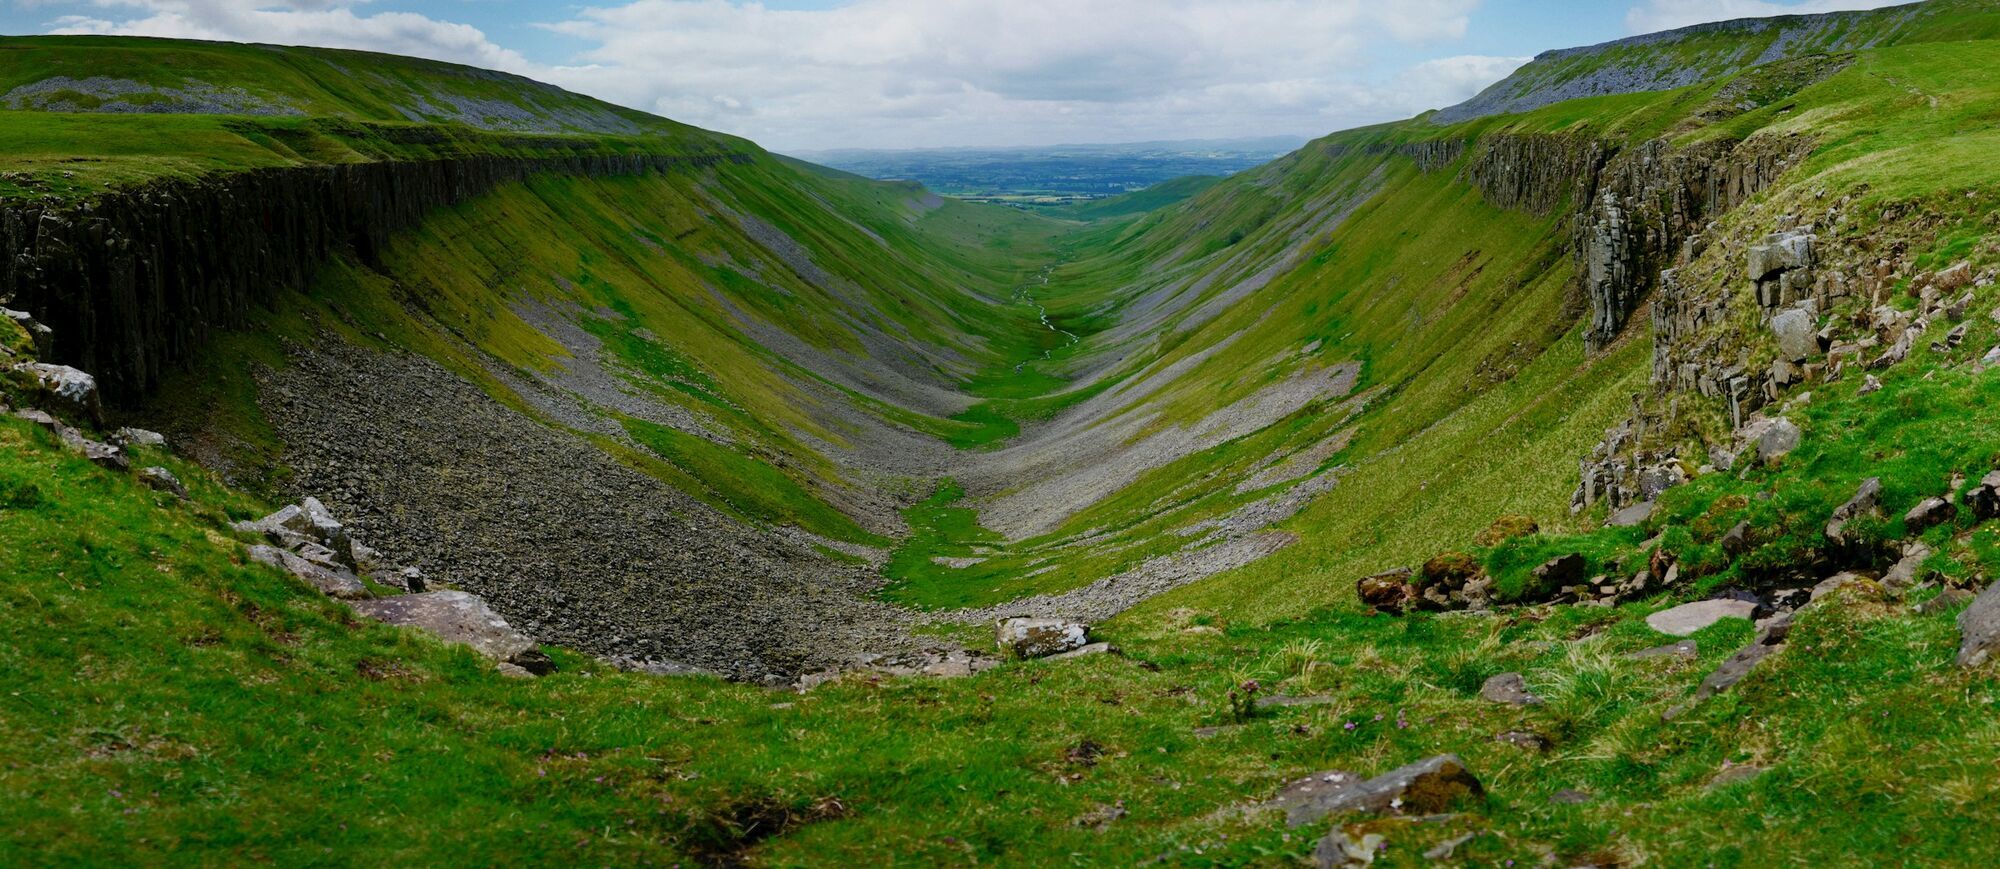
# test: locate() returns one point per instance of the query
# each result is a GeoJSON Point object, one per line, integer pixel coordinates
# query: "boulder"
{"type": "Point", "coordinates": [1781, 252]}
{"type": "Point", "coordinates": [458, 617]}
{"type": "Point", "coordinates": [1984, 499]}
{"type": "Point", "coordinates": [1451, 570]}
{"type": "Point", "coordinates": [104, 456]}
{"type": "Point", "coordinates": [1929, 513]}
{"type": "Point", "coordinates": [1510, 689]}
{"type": "Point", "coordinates": [321, 526]}
{"type": "Point", "coordinates": [1039, 638]}
{"type": "Point", "coordinates": [1867, 499]}
{"type": "Point", "coordinates": [1979, 628]}
{"type": "Point", "coordinates": [163, 480]}
{"type": "Point", "coordinates": [1690, 618]}
{"type": "Point", "coordinates": [1633, 516]}
{"type": "Point", "coordinates": [70, 391]}
{"type": "Point", "coordinates": [333, 583]}
{"type": "Point", "coordinates": [1778, 440]}
{"type": "Point", "coordinates": [1427, 787]}
{"type": "Point", "coordinates": [1794, 329]}
{"type": "Point", "coordinates": [1556, 574]}
{"type": "Point", "coordinates": [1389, 591]}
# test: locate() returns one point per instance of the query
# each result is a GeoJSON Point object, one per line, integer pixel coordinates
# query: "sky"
{"type": "Point", "coordinates": [805, 75]}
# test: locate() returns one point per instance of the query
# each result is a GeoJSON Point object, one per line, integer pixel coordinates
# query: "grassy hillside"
{"type": "Point", "coordinates": [1345, 360]}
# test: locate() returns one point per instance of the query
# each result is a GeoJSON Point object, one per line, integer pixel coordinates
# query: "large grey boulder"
{"type": "Point", "coordinates": [1794, 329]}
{"type": "Point", "coordinates": [1039, 638]}
{"type": "Point", "coordinates": [458, 617]}
{"type": "Point", "coordinates": [330, 582]}
{"type": "Point", "coordinates": [68, 390]}
{"type": "Point", "coordinates": [1979, 627]}
{"type": "Point", "coordinates": [1427, 787]}
{"type": "Point", "coordinates": [1690, 618]}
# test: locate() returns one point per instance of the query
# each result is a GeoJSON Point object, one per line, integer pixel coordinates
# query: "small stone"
{"type": "Point", "coordinates": [1904, 573]}
{"type": "Point", "coordinates": [1690, 618]}
{"type": "Point", "coordinates": [1869, 384]}
{"type": "Point", "coordinates": [1087, 651]}
{"type": "Point", "coordinates": [104, 456]}
{"type": "Point", "coordinates": [138, 437]}
{"type": "Point", "coordinates": [163, 480]}
{"type": "Point", "coordinates": [1527, 739]}
{"type": "Point", "coordinates": [1039, 638]}
{"type": "Point", "coordinates": [1929, 513]}
{"type": "Point", "coordinates": [1337, 850]}
{"type": "Point", "coordinates": [1946, 600]}
{"type": "Point", "coordinates": [1510, 689]}
{"type": "Point", "coordinates": [513, 671]}
{"type": "Point", "coordinates": [1685, 650]}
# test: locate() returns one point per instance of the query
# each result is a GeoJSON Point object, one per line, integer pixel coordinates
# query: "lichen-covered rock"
{"type": "Point", "coordinates": [458, 617]}
{"type": "Point", "coordinates": [1504, 529]}
{"type": "Point", "coordinates": [41, 339]}
{"type": "Point", "coordinates": [138, 437]}
{"type": "Point", "coordinates": [68, 390]}
{"type": "Point", "coordinates": [1794, 329]}
{"type": "Point", "coordinates": [1778, 440]}
{"type": "Point", "coordinates": [1449, 570]}
{"type": "Point", "coordinates": [1039, 638]}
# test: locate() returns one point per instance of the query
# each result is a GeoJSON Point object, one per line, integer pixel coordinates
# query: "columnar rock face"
{"type": "Point", "coordinates": [136, 280]}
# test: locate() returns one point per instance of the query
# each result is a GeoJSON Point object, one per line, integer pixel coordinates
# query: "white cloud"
{"type": "Point", "coordinates": [1656, 15]}
{"type": "Point", "coordinates": [330, 23]}
{"type": "Point", "coordinates": [890, 73]}
{"type": "Point", "coordinates": [925, 72]}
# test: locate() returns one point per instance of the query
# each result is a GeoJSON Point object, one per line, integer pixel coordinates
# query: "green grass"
{"type": "Point", "coordinates": [1475, 399]}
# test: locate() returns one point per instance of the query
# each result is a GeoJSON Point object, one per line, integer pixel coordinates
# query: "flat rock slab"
{"type": "Point", "coordinates": [1426, 787]}
{"type": "Point", "coordinates": [1087, 651]}
{"type": "Point", "coordinates": [1685, 650]}
{"type": "Point", "coordinates": [455, 617]}
{"type": "Point", "coordinates": [1279, 701]}
{"type": "Point", "coordinates": [1689, 618]}
{"type": "Point", "coordinates": [1631, 517]}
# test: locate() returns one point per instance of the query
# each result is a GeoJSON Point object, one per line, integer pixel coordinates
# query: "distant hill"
{"type": "Point", "coordinates": [1705, 52]}
{"type": "Point", "coordinates": [1058, 174]}
{"type": "Point", "coordinates": [1150, 199]}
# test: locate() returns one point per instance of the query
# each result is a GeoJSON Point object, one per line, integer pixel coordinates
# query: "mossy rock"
{"type": "Point", "coordinates": [1450, 570]}
{"type": "Point", "coordinates": [1506, 528]}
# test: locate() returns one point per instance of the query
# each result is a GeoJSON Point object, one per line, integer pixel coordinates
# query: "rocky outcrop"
{"type": "Point", "coordinates": [136, 280]}
{"type": "Point", "coordinates": [1025, 638]}
{"type": "Point", "coordinates": [1426, 787]}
